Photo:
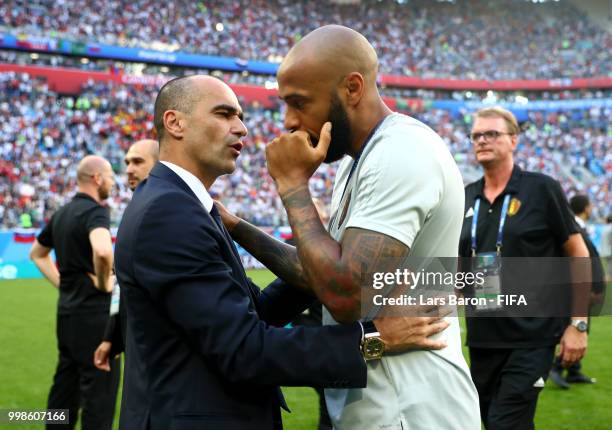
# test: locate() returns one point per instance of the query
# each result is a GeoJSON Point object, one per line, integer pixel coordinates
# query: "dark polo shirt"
{"type": "Point", "coordinates": [538, 223]}
{"type": "Point", "coordinates": [68, 234]}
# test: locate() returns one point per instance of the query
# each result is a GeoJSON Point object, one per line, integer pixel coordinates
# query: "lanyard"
{"type": "Point", "coordinates": [502, 222]}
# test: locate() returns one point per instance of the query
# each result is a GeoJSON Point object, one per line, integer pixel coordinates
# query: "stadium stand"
{"type": "Point", "coordinates": [43, 132]}
{"type": "Point", "coordinates": [463, 39]}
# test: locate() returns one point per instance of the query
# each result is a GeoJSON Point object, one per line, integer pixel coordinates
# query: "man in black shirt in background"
{"type": "Point", "coordinates": [582, 207]}
{"type": "Point", "coordinates": [515, 213]}
{"type": "Point", "coordinates": [79, 233]}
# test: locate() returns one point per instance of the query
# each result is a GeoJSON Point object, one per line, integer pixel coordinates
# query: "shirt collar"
{"type": "Point", "coordinates": [81, 195]}
{"type": "Point", "coordinates": [580, 221]}
{"type": "Point", "coordinates": [192, 182]}
{"type": "Point", "coordinates": [512, 187]}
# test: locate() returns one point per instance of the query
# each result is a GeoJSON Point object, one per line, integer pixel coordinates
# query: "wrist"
{"type": "Point", "coordinates": [231, 222]}
{"type": "Point", "coordinates": [372, 346]}
{"type": "Point", "coordinates": [288, 187]}
{"type": "Point", "coordinates": [579, 324]}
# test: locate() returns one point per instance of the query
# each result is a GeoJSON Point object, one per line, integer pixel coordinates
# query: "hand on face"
{"type": "Point", "coordinates": [292, 159]}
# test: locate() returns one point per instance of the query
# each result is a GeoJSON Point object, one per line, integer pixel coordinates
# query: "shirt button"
{"type": "Point", "coordinates": [490, 211]}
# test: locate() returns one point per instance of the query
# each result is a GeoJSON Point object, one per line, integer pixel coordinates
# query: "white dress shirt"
{"type": "Point", "coordinates": [194, 183]}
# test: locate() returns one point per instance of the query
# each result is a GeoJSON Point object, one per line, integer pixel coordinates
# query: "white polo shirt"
{"type": "Point", "coordinates": [407, 186]}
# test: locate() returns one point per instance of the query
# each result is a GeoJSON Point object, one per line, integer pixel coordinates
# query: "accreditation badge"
{"type": "Point", "coordinates": [489, 265]}
{"type": "Point", "coordinates": [114, 307]}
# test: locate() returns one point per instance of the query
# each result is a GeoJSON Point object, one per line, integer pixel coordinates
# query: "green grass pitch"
{"type": "Point", "coordinates": [28, 357]}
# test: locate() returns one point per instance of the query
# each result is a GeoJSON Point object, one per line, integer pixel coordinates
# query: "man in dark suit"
{"type": "Point", "coordinates": [211, 345]}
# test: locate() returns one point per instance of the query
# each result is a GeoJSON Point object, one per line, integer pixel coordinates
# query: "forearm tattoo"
{"type": "Point", "coordinates": [335, 272]}
{"type": "Point", "coordinates": [279, 257]}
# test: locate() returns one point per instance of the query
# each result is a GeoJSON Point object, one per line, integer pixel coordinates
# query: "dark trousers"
{"type": "Point", "coordinates": [77, 383]}
{"type": "Point", "coordinates": [508, 383]}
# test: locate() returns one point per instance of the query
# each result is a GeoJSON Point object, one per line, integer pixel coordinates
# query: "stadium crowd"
{"type": "Point", "coordinates": [145, 69]}
{"type": "Point", "coordinates": [43, 134]}
{"type": "Point", "coordinates": [464, 39]}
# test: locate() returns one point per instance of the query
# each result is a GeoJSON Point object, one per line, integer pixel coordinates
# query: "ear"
{"type": "Point", "coordinates": [98, 179]}
{"type": "Point", "coordinates": [174, 123]}
{"type": "Point", "coordinates": [354, 88]}
{"type": "Point", "coordinates": [514, 141]}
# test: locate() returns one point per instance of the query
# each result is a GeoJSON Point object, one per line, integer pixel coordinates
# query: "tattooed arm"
{"type": "Point", "coordinates": [281, 258]}
{"type": "Point", "coordinates": [334, 271]}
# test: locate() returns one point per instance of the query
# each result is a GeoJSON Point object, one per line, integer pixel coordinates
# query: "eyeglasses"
{"type": "Point", "coordinates": [488, 135]}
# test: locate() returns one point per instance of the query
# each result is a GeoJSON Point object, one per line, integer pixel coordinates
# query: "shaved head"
{"type": "Point", "coordinates": [90, 166]}
{"type": "Point", "coordinates": [146, 146]}
{"type": "Point", "coordinates": [140, 159]}
{"type": "Point", "coordinates": [349, 52]}
{"type": "Point", "coordinates": [330, 75]}
{"type": "Point", "coordinates": [95, 177]}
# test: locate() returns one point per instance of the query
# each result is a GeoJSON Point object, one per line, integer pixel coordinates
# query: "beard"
{"type": "Point", "coordinates": [103, 193]}
{"type": "Point", "coordinates": [341, 136]}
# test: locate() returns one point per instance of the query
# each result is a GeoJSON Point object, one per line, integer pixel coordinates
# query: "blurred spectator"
{"type": "Point", "coordinates": [43, 133]}
{"type": "Point", "coordinates": [463, 39]}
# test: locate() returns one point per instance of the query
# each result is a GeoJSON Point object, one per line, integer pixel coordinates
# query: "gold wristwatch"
{"type": "Point", "coordinates": [372, 346]}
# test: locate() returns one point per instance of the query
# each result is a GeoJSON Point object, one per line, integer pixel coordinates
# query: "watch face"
{"type": "Point", "coordinates": [373, 348]}
{"type": "Point", "coordinates": [582, 326]}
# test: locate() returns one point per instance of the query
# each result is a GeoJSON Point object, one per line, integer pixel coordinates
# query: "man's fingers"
{"type": "Point", "coordinates": [433, 344]}
{"type": "Point", "coordinates": [571, 356]}
{"type": "Point", "coordinates": [324, 139]}
{"type": "Point", "coordinates": [561, 350]}
{"type": "Point", "coordinates": [438, 311]}
{"type": "Point", "coordinates": [436, 328]}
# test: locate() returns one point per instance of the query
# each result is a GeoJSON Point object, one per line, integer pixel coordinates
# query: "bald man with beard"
{"type": "Point", "coordinates": [139, 160]}
{"type": "Point", "coordinates": [398, 194]}
{"type": "Point", "coordinates": [79, 233]}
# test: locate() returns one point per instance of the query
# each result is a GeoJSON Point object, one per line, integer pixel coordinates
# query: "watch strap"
{"type": "Point", "coordinates": [368, 327]}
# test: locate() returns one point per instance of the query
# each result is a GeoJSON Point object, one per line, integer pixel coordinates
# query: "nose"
{"type": "Point", "coordinates": [239, 128]}
{"type": "Point", "coordinates": [291, 121]}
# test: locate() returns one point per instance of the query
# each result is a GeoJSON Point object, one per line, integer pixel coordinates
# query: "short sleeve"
{"type": "Point", "coordinates": [99, 217]}
{"type": "Point", "coordinates": [45, 237]}
{"type": "Point", "coordinates": [397, 186]}
{"type": "Point", "coordinates": [562, 221]}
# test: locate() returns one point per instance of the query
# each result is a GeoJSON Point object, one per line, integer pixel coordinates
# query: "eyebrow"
{"type": "Point", "coordinates": [134, 158]}
{"type": "Point", "coordinates": [293, 96]}
{"type": "Point", "coordinates": [231, 109]}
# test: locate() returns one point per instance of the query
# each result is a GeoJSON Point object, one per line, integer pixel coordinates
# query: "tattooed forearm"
{"type": "Point", "coordinates": [335, 272]}
{"type": "Point", "coordinates": [303, 216]}
{"type": "Point", "coordinates": [279, 257]}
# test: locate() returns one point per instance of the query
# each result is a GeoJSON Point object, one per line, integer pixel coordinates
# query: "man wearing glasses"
{"type": "Point", "coordinates": [514, 213]}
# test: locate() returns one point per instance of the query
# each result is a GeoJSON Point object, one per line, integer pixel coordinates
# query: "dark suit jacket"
{"type": "Point", "coordinates": [209, 345]}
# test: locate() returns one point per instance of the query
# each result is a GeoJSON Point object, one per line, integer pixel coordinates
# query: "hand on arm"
{"type": "Point", "coordinates": [102, 246]}
{"type": "Point", "coordinates": [41, 256]}
{"type": "Point", "coordinates": [279, 257]}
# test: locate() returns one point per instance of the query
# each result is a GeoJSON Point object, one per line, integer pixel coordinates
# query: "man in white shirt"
{"type": "Point", "coordinates": [398, 194]}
